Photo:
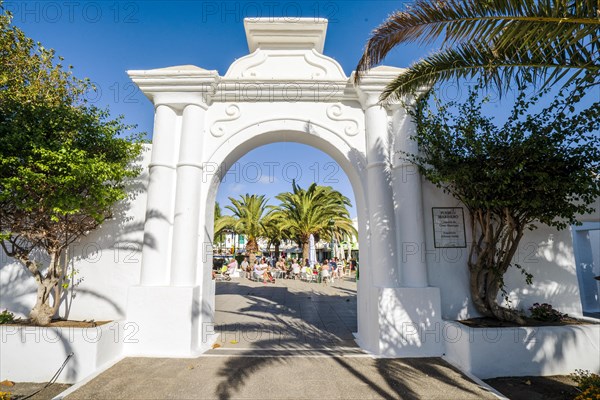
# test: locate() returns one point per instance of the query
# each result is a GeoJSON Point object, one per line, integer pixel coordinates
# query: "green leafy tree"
{"type": "Point", "coordinates": [537, 168]}
{"type": "Point", "coordinates": [249, 217]}
{"type": "Point", "coordinates": [500, 40]}
{"type": "Point", "coordinates": [303, 212]}
{"type": "Point", "coordinates": [63, 164]}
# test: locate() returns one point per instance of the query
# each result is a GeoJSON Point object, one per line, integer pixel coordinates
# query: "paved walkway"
{"type": "Point", "coordinates": [290, 315]}
{"type": "Point", "coordinates": [289, 340]}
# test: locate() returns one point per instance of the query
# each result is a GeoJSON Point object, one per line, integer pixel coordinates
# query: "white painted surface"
{"type": "Point", "coordinates": [539, 351]}
{"type": "Point", "coordinates": [34, 354]}
{"type": "Point", "coordinates": [408, 202]}
{"type": "Point", "coordinates": [166, 319]}
{"type": "Point", "coordinates": [410, 322]}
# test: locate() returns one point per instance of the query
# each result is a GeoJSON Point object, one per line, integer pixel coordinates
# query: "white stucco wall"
{"type": "Point", "coordinates": [34, 354]}
{"type": "Point", "coordinates": [108, 261]}
{"type": "Point", "coordinates": [522, 351]}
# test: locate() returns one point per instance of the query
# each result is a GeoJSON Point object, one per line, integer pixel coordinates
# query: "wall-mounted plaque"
{"type": "Point", "coordinates": [448, 227]}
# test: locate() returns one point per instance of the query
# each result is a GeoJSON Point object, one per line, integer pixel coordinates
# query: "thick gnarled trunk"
{"type": "Point", "coordinates": [494, 244]}
{"type": "Point", "coordinates": [42, 313]}
{"type": "Point", "coordinates": [49, 293]}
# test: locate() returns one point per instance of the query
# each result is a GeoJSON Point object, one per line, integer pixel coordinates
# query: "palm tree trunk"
{"type": "Point", "coordinates": [305, 251]}
{"type": "Point", "coordinates": [252, 245]}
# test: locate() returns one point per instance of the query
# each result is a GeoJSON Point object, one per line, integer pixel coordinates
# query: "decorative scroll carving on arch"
{"type": "Point", "coordinates": [286, 64]}
{"type": "Point", "coordinates": [218, 127]}
{"type": "Point", "coordinates": [335, 112]}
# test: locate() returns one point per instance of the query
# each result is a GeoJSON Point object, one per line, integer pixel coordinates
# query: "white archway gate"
{"type": "Point", "coordinates": [285, 90]}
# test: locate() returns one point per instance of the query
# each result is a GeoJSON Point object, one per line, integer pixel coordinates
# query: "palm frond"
{"type": "Point", "coordinates": [503, 23]}
{"type": "Point", "coordinates": [499, 68]}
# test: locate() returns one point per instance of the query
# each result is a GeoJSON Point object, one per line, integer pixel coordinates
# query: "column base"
{"type": "Point", "coordinates": [410, 323]}
{"type": "Point", "coordinates": [167, 321]}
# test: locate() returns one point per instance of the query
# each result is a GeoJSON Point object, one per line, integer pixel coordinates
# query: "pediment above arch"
{"type": "Point", "coordinates": [286, 64]}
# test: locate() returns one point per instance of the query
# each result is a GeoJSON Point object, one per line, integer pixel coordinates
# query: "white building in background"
{"type": "Point", "coordinates": [286, 89]}
{"type": "Point", "coordinates": [230, 243]}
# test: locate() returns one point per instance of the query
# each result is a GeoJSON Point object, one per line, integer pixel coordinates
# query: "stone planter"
{"type": "Point", "coordinates": [34, 354]}
{"type": "Point", "coordinates": [519, 351]}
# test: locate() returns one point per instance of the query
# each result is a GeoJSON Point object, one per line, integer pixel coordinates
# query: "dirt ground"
{"type": "Point", "coordinates": [559, 387]}
{"type": "Point", "coordinates": [486, 322]}
{"type": "Point", "coordinates": [59, 323]}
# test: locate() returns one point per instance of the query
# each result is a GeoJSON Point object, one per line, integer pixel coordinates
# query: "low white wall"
{"type": "Point", "coordinates": [34, 354]}
{"type": "Point", "coordinates": [521, 351]}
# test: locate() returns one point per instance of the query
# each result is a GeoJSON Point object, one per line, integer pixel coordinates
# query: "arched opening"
{"type": "Point", "coordinates": [292, 314]}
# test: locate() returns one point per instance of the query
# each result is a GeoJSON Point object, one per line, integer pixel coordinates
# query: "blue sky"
{"type": "Point", "coordinates": [104, 39]}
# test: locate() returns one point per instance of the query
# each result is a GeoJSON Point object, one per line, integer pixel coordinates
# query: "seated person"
{"type": "Point", "coordinates": [280, 266]}
{"type": "Point", "coordinates": [295, 269]}
{"type": "Point", "coordinates": [246, 267]}
{"type": "Point", "coordinates": [259, 271]}
{"type": "Point", "coordinates": [266, 271]}
{"type": "Point", "coordinates": [232, 266]}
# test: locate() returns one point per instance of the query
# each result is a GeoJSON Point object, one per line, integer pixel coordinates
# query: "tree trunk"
{"type": "Point", "coordinates": [251, 245]}
{"type": "Point", "coordinates": [42, 313]}
{"type": "Point", "coordinates": [478, 291]}
{"type": "Point", "coordinates": [501, 313]}
{"type": "Point", "coordinates": [305, 251]}
{"type": "Point", "coordinates": [491, 255]}
{"type": "Point", "coordinates": [251, 259]}
{"type": "Point", "coordinates": [277, 251]}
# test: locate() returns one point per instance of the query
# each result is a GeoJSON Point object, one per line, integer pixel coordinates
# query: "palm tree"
{"type": "Point", "coordinates": [305, 212]}
{"type": "Point", "coordinates": [274, 232]}
{"type": "Point", "coordinates": [249, 214]}
{"type": "Point", "coordinates": [222, 223]}
{"type": "Point", "coordinates": [501, 40]}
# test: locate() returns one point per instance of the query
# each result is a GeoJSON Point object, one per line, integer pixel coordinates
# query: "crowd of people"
{"type": "Point", "coordinates": [325, 272]}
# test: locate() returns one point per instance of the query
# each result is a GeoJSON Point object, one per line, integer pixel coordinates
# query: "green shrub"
{"type": "Point", "coordinates": [6, 317]}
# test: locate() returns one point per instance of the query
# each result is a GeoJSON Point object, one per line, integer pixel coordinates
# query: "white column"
{"type": "Point", "coordinates": [189, 182]}
{"type": "Point", "coordinates": [383, 262]}
{"type": "Point", "coordinates": [409, 203]}
{"type": "Point", "coordinates": [159, 209]}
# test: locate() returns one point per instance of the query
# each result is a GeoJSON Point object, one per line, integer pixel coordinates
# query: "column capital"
{"type": "Point", "coordinates": [373, 82]}
{"type": "Point", "coordinates": [177, 86]}
{"type": "Point", "coordinates": [179, 101]}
